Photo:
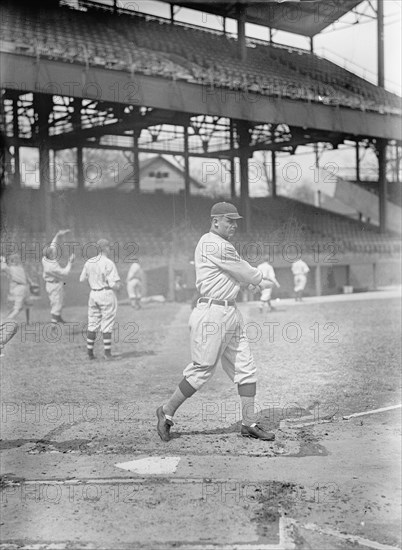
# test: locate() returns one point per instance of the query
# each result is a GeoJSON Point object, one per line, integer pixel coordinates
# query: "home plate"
{"type": "Point", "coordinates": [153, 465]}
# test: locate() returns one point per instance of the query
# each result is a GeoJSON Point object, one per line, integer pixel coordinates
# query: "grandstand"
{"type": "Point", "coordinates": [148, 45]}
{"type": "Point", "coordinates": [152, 76]}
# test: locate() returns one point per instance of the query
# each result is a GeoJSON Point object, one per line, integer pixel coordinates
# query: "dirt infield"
{"type": "Point", "coordinates": [324, 483]}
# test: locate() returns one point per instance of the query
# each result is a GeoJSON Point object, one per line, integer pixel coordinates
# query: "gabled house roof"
{"type": "Point", "coordinates": [147, 165]}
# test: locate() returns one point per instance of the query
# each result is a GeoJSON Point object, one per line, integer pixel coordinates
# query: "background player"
{"type": "Point", "coordinates": [55, 275]}
{"type": "Point", "coordinates": [299, 269]}
{"type": "Point", "coordinates": [104, 280]}
{"type": "Point", "coordinates": [18, 292]}
{"type": "Point", "coordinates": [216, 324]}
{"type": "Point", "coordinates": [268, 272]}
{"type": "Point", "coordinates": [135, 284]}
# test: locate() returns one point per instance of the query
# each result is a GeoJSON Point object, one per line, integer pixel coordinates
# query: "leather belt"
{"type": "Point", "coordinates": [225, 303]}
{"type": "Point", "coordinates": [99, 289]}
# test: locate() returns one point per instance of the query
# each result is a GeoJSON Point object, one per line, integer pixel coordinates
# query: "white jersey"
{"type": "Point", "coordinates": [267, 271]}
{"type": "Point", "coordinates": [219, 269]}
{"type": "Point", "coordinates": [101, 273]}
{"type": "Point", "coordinates": [16, 275]}
{"type": "Point", "coordinates": [135, 272]}
{"type": "Point", "coordinates": [53, 272]}
{"type": "Point", "coordinates": [300, 268]}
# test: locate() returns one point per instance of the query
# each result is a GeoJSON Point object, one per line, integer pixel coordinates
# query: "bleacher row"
{"type": "Point", "coordinates": [153, 46]}
{"type": "Point", "coordinates": [159, 225]}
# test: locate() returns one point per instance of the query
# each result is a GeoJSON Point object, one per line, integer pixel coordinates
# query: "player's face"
{"type": "Point", "coordinates": [226, 227]}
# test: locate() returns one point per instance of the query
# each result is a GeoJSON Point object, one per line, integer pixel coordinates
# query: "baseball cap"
{"type": "Point", "coordinates": [225, 209]}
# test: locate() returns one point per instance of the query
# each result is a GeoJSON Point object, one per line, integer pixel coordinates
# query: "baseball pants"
{"type": "Point", "coordinates": [134, 289]}
{"type": "Point", "coordinates": [55, 292]}
{"type": "Point", "coordinates": [102, 310]}
{"type": "Point", "coordinates": [217, 334]}
{"type": "Point", "coordinates": [266, 295]}
{"type": "Point", "coordinates": [300, 282]}
{"type": "Point", "coordinates": [20, 296]}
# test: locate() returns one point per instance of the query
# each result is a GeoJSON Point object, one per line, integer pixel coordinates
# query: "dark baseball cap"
{"type": "Point", "coordinates": [225, 209]}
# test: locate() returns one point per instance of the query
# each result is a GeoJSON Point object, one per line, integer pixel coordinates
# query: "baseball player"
{"type": "Point", "coordinates": [18, 292]}
{"type": "Point", "coordinates": [54, 276]}
{"type": "Point", "coordinates": [268, 272]}
{"type": "Point", "coordinates": [103, 279]}
{"type": "Point", "coordinates": [135, 282]}
{"type": "Point", "coordinates": [216, 325]}
{"type": "Point", "coordinates": [299, 269]}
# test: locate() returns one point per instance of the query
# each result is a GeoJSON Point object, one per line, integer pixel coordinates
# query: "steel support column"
{"type": "Point", "coordinates": [244, 142]}
{"type": "Point", "coordinates": [136, 161]}
{"type": "Point", "coordinates": [382, 182]}
{"type": "Point", "coordinates": [77, 104]}
{"type": "Point", "coordinates": [241, 32]}
{"type": "Point", "coordinates": [273, 157]}
{"type": "Point", "coordinates": [17, 174]}
{"type": "Point", "coordinates": [232, 162]}
{"type": "Point", "coordinates": [43, 106]}
{"type": "Point", "coordinates": [380, 42]}
{"type": "Point", "coordinates": [186, 171]}
{"type": "Point", "coordinates": [357, 161]}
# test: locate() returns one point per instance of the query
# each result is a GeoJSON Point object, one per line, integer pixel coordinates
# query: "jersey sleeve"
{"type": "Point", "coordinates": [227, 259]}
{"type": "Point", "coordinates": [57, 271]}
{"type": "Point", "coordinates": [112, 276]}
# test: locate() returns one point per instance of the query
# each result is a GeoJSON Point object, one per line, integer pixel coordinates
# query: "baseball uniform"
{"type": "Point", "coordinates": [102, 276]}
{"type": "Point", "coordinates": [18, 292]}
{"type": "Point", "coordinates": [216, 325]}
{"type": "Point", "coordinates": [299, 269]}
{"type": "Point", "coordinates": [134, 281]}
{"type": "Point", "coordinates": [268, 273]}
{"type": "Point", "coordinates": [54, 276]}
{"type": "Point", "coordinates": [217, 329]}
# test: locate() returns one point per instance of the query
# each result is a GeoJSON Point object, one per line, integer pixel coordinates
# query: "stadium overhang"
{"type": "Point", "coordinates": [304, 17]}
{"type": "Point", "coordinates": [55, 78]}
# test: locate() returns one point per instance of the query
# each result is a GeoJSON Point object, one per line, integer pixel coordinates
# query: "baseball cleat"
{"type": "Point", "coordinates": [163, 426]}
{"type": "Point", "coordinates": [256, 432]}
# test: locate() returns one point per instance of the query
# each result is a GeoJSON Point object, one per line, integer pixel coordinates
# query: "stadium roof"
{"type": "Point", "coordinates": [305, 17]}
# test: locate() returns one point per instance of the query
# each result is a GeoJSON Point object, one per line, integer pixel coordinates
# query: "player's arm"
{"type": "Point", "coordinates": [229, 260]}
{"type": "Point", "coordinates": [113, 278]}
{"type": "Point", "coordinates": [84, 274]}
{"type": "Point", "coordinates": [56, 238]}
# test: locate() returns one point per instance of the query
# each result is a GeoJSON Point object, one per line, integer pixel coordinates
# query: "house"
{"type": "Point", "coordinates": [159, 174]}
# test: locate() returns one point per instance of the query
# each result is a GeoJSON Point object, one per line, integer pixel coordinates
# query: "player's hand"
{"type": "Point", "coordinates": [63, 232]}
{"type": "Point", "coordinates": [71, 258]}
